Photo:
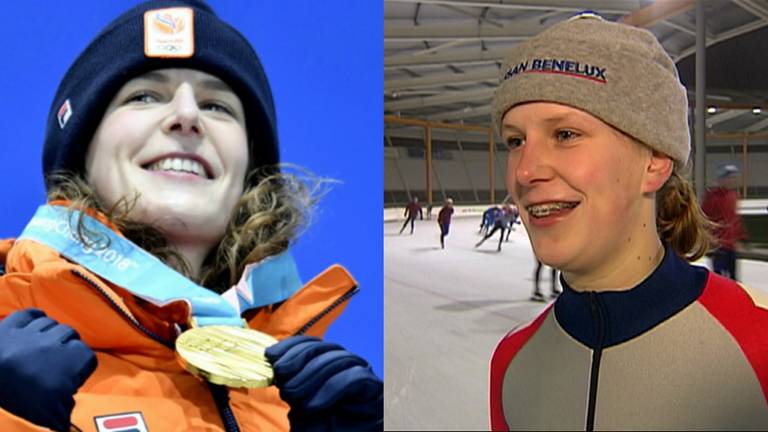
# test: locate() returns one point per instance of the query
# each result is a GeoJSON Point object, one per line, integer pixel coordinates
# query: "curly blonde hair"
{"type": "Point", "coordinates": [267, 218]}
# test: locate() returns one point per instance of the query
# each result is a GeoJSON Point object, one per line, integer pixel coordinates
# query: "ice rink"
{"type": "Point", "coordinates": [445, 310]}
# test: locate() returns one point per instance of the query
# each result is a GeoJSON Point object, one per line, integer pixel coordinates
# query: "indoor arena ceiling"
{"type": "Point", "coordinates": [441, 57]}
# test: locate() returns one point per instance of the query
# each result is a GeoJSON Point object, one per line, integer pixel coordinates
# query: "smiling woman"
{"type": "Point", "coordinates": [605, 168]}
{"type": "Point", "coordinates": [639, 337]}
{"type": "Point", "coordinates": [177, 137]}
{"type": "Point", "coordinates": [156, 288]}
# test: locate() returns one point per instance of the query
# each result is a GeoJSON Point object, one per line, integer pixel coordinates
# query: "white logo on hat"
{"type": "Point", "coordinates": [169, 33]}
{"type": "Point", "coordinates": [65, 112]}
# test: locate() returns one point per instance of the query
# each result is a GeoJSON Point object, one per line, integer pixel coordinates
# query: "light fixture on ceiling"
{"type": "Point", "coordinates": [711, 109]}
{"type": "Point", "coordinates": [756, 110]}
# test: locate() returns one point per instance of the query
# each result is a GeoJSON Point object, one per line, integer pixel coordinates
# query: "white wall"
{"type": "Point", "coordinates": [392, 180]}
{"type": "Point", "coordinates": [448, 174]}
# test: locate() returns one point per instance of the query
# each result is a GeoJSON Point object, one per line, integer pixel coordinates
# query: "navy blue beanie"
{"type": "Point", "coordinates": [116, 56]}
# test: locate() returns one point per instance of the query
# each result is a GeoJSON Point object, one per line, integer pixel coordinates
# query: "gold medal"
{"type": "Point", "coordinates": [230, 356]}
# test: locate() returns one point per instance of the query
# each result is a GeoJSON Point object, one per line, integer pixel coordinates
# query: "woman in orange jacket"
{"type": "Point", "coordinates": [166, 232]}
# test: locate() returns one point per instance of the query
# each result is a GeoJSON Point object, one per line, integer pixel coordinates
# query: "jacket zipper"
{"type": "Point", "coordinates": [125, 314]}
{"type": "Point", "coordinates": [597, 352]}
{"type": "Point", "coordinates": [346, 296]}
{"type": "Point", "coordinates": [221, 397]}
{"type": "Point", "coordinates": [219, 393]}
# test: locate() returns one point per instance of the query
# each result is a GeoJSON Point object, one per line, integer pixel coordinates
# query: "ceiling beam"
{"type": "Point", "coordinates": [516, 6]}
{"type": "Point", "coordinates": [463, 113]}
{"type": "Point", "coordinates": [408, 93]}
{"type": "Point", "coordinates": [746, 28]}
{"type": "Point", "coordinates": [445, 98]}
{"type": "Point", "coordinates": [752, 8]}
{"type": "Point", "coordinates": [441, 37]}
{"type": "Point", "coordinates": [760, 8]}
{"type": "Point", "coordinates": [470, 13]}
{"type": "Point", "coordinates": [442, 46]}
{"type": "Point", "coordinates": [450, 38]}
{"type": "Point", "coordinates": [762, 124]}
{"type": "Point", "coordinates": [656, 11]}
{"type": "Point", "coordinates": [686, 29]}
{"type": "Point", "coordinates": [438, 59]}
{"type": "Point", "coordinates": [450, 32]}
{"type": "Point", "coordinates": [734, 105]}
{"type": "Point", "coordinates": [439, 80]}
{"type": "Point", "coordinates": [484, 14]}
{"type": "Point", "coordinates": [724, 116]}
{"type": "Point", "coordinates": [679, 27]}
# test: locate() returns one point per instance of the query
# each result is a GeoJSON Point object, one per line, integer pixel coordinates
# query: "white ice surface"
{"type": "Point", "coordinates": [445, 310]}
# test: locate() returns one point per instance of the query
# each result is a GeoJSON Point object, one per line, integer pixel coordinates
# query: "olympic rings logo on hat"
{"type": "Point", "coordinates": [169, 48]}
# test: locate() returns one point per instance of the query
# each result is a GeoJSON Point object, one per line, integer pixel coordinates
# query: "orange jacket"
{"type": "Point", "coordinates": [137, 373]}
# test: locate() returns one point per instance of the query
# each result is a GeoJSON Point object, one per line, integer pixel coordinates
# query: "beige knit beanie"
{"type": "Point", "coordinates": [618, 73]}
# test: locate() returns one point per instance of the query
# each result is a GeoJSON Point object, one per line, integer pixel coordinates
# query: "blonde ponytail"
{"type": "Point", "coordinates": [680, 220]}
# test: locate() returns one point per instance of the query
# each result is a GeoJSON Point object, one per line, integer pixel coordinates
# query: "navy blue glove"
{"type": "Point", "coordinates": [42, 364]}
{"type": "Point", "coordinates": [327, 387]}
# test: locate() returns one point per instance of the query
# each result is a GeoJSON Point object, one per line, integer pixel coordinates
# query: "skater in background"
{"type": "Point", "coordinates": [412, 210]}
{"type": "Point", "coordinates": [444, 220]}
{"type": "Point", "coordinates": [503, 217]}
{"type": "Point", "coordinates": [537, 295]}
{"type": "Point", "coordinates": [721, 205]}
{"type": "Point", "coordinates": [487, 219]}
{"type": "Point", "coordinates": [515, 214]}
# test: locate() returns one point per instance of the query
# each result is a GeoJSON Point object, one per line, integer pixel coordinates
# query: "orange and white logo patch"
{"type": "Point", "coordinates": [169, 33]}
{"type": "Point", "coordinates": [168, 23]}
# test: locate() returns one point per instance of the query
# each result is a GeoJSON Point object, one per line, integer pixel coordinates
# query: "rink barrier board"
{"type": "Point", "coordinates": [749, 207]}
{"type": "Point", "coordinates": [754, 214]}
{"type": "Point", "coordinates": [394, 214]}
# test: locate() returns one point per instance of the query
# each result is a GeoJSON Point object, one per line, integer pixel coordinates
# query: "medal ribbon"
{"type": "Point", "coordinates": [125, 264]}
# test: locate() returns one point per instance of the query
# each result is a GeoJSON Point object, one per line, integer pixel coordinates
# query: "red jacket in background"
{"type": "Point", "coordinates": [720, 205]}
{"type": "Point", "coordinates": [444, 217]}
{"type": "Point", "coordinates": [412, 210]}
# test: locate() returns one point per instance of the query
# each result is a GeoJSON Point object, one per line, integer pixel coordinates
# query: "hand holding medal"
{"type": "Point", "coordinates": [326, 386]}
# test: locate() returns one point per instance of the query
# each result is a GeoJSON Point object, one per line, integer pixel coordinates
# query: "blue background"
{"type": "Point", "coordinates": [324, 60]}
